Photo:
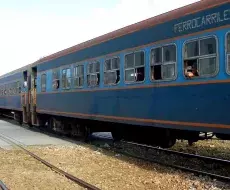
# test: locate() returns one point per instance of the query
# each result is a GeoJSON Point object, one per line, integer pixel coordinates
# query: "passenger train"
{"type": "Point", "coordinates": [156, 81]}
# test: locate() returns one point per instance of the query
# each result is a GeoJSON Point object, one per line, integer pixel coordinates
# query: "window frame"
{"type": "Point", "coordinates": [226, 53]}
{"type": "Point", "coordinates": [144, 65]}
{"type": "Point", "coordinates": [112, 70]}
{"type": "Point", "coordinates": [42, 89]}
{"type": "Point", "coordinates": [73, 78]}
{"type": "Point", "coordinates": [62, 69]}
{"type": "Point", "coordinates": [162, 54]}
{"type": "Point", "coordinates": [94, 73]}
{"type": "Point", "coordinates": [216, 55]}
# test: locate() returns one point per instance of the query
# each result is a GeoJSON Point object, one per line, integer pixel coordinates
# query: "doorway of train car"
{"type": "Point", "coordinates": [25, 97]}
{"type": "Point", "coordinates": [33, 95]}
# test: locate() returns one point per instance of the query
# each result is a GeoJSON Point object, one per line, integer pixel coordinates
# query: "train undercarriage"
{"type": "Point", "coordinates": [83, 128]}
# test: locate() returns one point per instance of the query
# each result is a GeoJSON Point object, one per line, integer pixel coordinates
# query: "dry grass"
{"type": "Point", "coordinates": [214, 148]}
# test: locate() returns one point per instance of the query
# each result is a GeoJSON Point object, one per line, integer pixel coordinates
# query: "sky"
{"type": "Point", "coordinates": [31, 29]}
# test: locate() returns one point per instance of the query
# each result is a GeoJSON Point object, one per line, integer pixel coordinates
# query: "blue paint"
{"type": "Point", "coordinates": [180, 103]}
{"type": "Point", "coordinates": [11, 102]}
{"type": "Point", "coordinates": [142, 37]}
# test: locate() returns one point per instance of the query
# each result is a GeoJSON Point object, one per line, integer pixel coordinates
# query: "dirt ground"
{"type": "Point", "coordinates": [20, 171]}
{"type": "Point", "coordinates": [110, 171]}
{"type": "Point", "coordinates": [101, 168]}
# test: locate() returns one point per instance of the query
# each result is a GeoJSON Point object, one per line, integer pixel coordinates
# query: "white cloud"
{"type": "Point", "coordinates": [25, 37]}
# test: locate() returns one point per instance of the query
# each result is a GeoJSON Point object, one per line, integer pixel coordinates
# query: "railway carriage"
{"type": "Point", "coordinates": [156, 81]}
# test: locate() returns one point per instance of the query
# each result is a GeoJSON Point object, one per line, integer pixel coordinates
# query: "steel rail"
{"type": "Point", "coordinates": [219, 160]}
{"type": "Point", "coordinates": [54, 168]}
{"type": "Point", "coordinates": [3, 186]}
{"type": "Point", "coordinates": [216, 176]}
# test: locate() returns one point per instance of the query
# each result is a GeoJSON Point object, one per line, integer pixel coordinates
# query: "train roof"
{"type": "Point", "coordinates": [174, 14]}
{"type": "Point", "coordinates": [21, 69]}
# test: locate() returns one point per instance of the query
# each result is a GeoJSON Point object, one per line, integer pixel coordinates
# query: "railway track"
{"type": "Point", "coordinates": [15, 143]}
{"type": "Point", "coordinates": [116, 147]}
{"type": "Point", "coordinates": [3, 186]}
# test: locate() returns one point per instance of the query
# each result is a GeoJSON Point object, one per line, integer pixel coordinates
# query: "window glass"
{"type": "Point", "coordinates": [208, 46]}
{"type": "Point", "coordinates": [66, 78]}
{"type": "Point", "coordinates": [110, 77]}
{"type": "Point", "coordinates": [169, 53]}
{"type": "Point", "coordinates": [129, 75]}
{"type": "Point", "coordinates": [93, 76]}
{"type": "Point", "coordinates": [112, 71]}
{"type": "Point", "coordinates": [207, 66]}
{"type": "Point", "coordinates": [228, 43]}
{"type": "Point", "coordinates": [156, 55]}
{"type": "Point", "coordinates": [205, 62]}
{"type": "Point", "coordinates": [108, 65]}
{"type": "Point", "coordinates": [163, 66]}
{"type": "Point", "coordinates": [139, 58]}
{"type": "Point", "coordinates": [129, 60]}
{"type": "Point", "coordinates": [191, 49]}
{"type": "Point", "coordinates": [79, 76]}
{"type": "Point", "coordinates": [115, 63]}
{"type": "Point", "coordinates": [168, 71]}
{"type": "Point", "coordinates": [135, 69]}
{"type": "Point", "coordinates": [43, 82]}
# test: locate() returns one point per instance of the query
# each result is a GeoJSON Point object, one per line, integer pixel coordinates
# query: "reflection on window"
{"type": "Point", "coordinates": [66, 78]}
{"type": "Point", "coordinates": [203, 62]}
{"type": "Point", "coordinates": [163, 62]}
{"type": "Point", "coordinates": [135, 67]}
{"type": "Point", "coordinates": [93, 74]}
{"type": "Point", "coordinates": [112, 71]}
{"type": "Point", "coordinates": [78, 76]}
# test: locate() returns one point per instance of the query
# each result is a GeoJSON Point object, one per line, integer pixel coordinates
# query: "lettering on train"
{"type": "Point", "coordinates": [202, 21]}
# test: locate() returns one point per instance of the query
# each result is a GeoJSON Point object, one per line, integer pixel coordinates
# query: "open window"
{"type": "Point", "coordinates": [112, 71]}
{"type": "Point", "coordinates": [93, 74]}
{"type": "Point", "coordinates": [135, 67]}
{"type": "Point", "coordinates": [200, 57]}
{"type": "Point", "coordinates": [163, 62]}
{"type": "Point", "coordinates": [228, 52]}
{"type": "Point", "coordinates": [78, 75]}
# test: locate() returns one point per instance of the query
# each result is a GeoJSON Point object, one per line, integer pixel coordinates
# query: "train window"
{"type": "Point", "coordinates": [18, 86]}
{"type": "Point", "coordinates": [56, 79]}
{"type": "Point", "coordinates": [228, 52]}
{"type": "Point", "coordinates": [135, 67]}
{"type": "Point", "coordinates": [43, 82]}
{"type": "Point", "coordinates": [66, 78]}
{"type": "Point", "coordinates": [200, 57]}
{"type": "Point", "coordinates": [112, 71]}
{"type": "Point", "coordinates": [78, 76]}
{"type": "Point", "coordinates": [163, 62]}
{"type": "Point", "coordinates": [93, 74]}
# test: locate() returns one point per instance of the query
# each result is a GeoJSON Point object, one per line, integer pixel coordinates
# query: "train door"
{"type": "Point", "coordinates": [33, 93]}
{"type": "Point", "coordinates": [25, 97]}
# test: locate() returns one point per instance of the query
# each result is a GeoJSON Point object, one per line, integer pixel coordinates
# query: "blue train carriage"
{"type": "Point", "coordinates": [14, 97]}
{"type": "Point", "coordinates": [156, 81]}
